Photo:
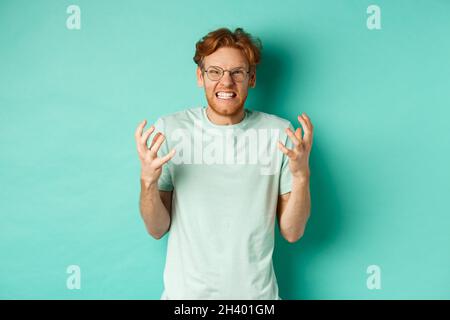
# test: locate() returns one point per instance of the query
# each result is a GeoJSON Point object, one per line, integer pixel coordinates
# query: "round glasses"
{"type": "Point", "coordinates": [216, 73]}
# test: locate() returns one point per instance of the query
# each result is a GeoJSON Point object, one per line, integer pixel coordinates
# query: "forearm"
{"type": "Point", "coordinates": [153, 212]}
{"type": "Point", "coordinates": [294, 218]}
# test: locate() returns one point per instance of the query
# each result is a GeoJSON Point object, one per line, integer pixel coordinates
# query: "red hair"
{"type": "Point", "coordinates": [224, 37]}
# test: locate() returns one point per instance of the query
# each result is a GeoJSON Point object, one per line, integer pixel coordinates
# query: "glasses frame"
{"type": "Point", "coordinates": [206, 70]}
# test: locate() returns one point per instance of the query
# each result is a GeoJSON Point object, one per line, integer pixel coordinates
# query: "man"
{"type": "Point", "coordinates": [217, 183]}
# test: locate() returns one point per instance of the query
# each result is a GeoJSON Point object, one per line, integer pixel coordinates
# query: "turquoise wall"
{"type": "Point", "coordinates": [70, 101]}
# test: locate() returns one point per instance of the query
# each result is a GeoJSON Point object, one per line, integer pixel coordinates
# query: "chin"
{"type": "Point", "coordinates": [224, 107]}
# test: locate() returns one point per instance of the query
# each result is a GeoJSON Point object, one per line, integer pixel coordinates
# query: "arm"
{"type": "Point", "coordinates": [294, 209]}
{"type": "Point", "coordinates": [154, 205]}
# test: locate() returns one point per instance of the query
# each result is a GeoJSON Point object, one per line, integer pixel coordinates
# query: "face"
{"type": "Point", "coordinates": [227, 59]}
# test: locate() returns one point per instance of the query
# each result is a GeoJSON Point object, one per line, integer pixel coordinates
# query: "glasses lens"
{"type": "Point", "coordinates": [238, 75]}
{"type": "Point", "coordinates": [214, 73]}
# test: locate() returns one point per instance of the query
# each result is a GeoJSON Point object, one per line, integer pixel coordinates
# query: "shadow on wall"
{"type": "Point", "coordinates": [296, 264]}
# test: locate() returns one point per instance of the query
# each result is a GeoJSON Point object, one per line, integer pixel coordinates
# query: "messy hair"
{"type": "Point", "coordinates": [251, 47]}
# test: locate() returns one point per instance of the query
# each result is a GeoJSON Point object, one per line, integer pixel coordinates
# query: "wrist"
{"type": "Point", "coordinates": [148, 184]}
{"type": "Point", "coordinates": [302, 177]}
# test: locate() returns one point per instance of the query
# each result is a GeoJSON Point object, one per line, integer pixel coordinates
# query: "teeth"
{"type": "Point", "coordinates": [225, 95]}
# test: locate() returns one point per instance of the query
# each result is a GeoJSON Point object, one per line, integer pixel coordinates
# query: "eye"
{"type": "Point", "coordinates": [238, 72]}
{"type": "Point", "coordinates": [214, 71]}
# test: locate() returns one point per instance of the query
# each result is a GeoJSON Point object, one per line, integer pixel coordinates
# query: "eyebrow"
{"type": "Point", "coordinates": [239, 67]}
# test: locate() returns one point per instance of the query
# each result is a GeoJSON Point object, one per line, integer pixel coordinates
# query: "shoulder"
{"type": "Point", "coordinates": [271, 120]}
{"type": "Point", "coordinates": [181, 114]}
{"type": "Point", "coordinates": [177, 118]}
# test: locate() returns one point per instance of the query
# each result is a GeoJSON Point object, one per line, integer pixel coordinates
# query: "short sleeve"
{"type": "Point", "coordinates": [165, 180]}
{"type": "Point", "coordinates": [285, 183]}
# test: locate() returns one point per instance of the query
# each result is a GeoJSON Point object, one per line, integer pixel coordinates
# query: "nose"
{"type": "Point", "coordinates": [227, 80]}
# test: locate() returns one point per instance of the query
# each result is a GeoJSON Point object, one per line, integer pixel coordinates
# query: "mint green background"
{"type": "Point", "coordinates": [70, 102]}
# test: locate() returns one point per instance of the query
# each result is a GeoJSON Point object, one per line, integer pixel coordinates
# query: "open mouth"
{"type": "Point", "coordinates": [226, 95]}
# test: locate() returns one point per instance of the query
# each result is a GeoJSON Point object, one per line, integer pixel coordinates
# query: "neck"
{"type": "Point", "coordinates": [226, 120]}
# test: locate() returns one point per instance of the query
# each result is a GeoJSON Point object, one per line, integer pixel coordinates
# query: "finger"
{"type": "Point", "coordinates": [138, 132]}
{"type": "Point", "coordinates": [165, 159]}
{"type": "Point", "coordinates": [298, 133]}
{"type": "Point", "coordinates": [145, 136]}
{"type": "Point", "coordinates": [302, 121]}
{"type": "Point", "coordinates": [155, 138]}
{"type": "Point", "coordinates": [155, 148]}
{"type": "Point", "coordinates": [308, 121]}
{"type": "Point", "coordinates": [291, 135]}
{"type": "Point", "coordinates": [308, 137]}
{"type": "Point", "coordinates": [305, 126]}
{"type": "Point", "coordinates": [285, 150]}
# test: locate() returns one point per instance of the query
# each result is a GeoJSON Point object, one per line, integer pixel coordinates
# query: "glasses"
{"type": "Point", "coordinates": [216, 73]}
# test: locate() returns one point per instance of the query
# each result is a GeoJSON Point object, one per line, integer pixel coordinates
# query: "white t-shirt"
{"type": "Point", "coordinates": [225, 181]}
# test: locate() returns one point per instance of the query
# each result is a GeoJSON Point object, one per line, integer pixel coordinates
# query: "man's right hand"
{"type": "Point", "coordinates": [151, 165]}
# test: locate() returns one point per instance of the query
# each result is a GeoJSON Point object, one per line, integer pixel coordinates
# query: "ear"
{"type": "Point", "coordinates": [199, 77]}
{"type": "Point", "coordinates": [252, 81]}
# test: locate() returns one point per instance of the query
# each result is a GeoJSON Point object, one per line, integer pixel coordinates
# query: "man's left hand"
{"type": "Point", "coordinates": [299, 155]}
